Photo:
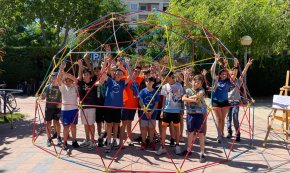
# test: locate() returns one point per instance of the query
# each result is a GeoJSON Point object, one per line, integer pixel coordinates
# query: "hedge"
{"type": "Point", "coordinates": [25, 64]}
{"type": "Point", "coordinates": [30, 64]}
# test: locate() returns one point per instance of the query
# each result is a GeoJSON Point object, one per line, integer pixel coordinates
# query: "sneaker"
{"type": "Point", "coordinates": [185, 152]}
{"type": "Point", "coordinates": [178, 150]}
{"type": "Point", "coordinates": [202, 158]}
{"type": "Point", "coordinates": [48, 142]}
{"type": "Point", "coordinates": [156, 139]}
{"type": "Point", "coordinates": [108, 148]}
{"type": "Point", "coordinates": [172, 142]}
{"type": "Point", "coordinates": [130, 143]}
{"type": "Point", "coordinates": [152, 145]}
{"type": "Point", "coordinates": [147, 141]}
{"type": "Point", "coordinates": [91, 146]}
{"type": "Point", "coordinates": [143, 146]}
{"type": "Point", "coordinates": [65, 146]}
{"type": "Point", "coordinates": [160, 151]}
{"type": "Point", "coordinates": [100, 142]}
{"type": "Point", "coordinates": [59, 142]}
{"type": "Point", "coordinates": [54, 136]}
{"type": "Point", "coordinates": [85, 143]}
{"type": "Point", "coordinates": [219, 140]}
{"type": "Point", "coordinates": [229, 136]}
{"type": "Point", "coordinates": [138, 139]}
{"type": "Point", "coordinates": [75, 144]}
{"type": "Point", "coordinates": [238, 139]}
{"type": "Point", "coordinates": [115, 145]}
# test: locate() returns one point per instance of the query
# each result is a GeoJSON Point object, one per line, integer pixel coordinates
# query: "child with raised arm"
{"type": "Point", "coordinates": [69, 108]}
{"type": "Point", "coordinates": [234, 99]}
{"type": "Point", "coordinates": [195, 105]}
{"type": "Point", "coordinates": [220, 101]}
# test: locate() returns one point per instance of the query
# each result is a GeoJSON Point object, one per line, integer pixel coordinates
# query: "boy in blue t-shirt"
{"type": "Point", "coordinates": [149, 101]}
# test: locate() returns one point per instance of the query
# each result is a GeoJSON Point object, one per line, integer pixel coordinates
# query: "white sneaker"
{"type": "Point", "coordinates": [160, 151]}
{"type": "Point", "coordinates": [91, 146]}
{"type": "Point", "coordinates": [178, 150]}
{"type": "Point", "coordinates": [85, 143]}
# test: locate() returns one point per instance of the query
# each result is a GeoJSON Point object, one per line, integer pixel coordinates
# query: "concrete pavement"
{"type": "Point", "coordinates": [18, 154]}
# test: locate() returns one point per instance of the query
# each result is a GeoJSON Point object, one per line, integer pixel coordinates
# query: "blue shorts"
{"type": "Point", "coordinates": [70, 116]}
{"type": "Point", "coordinates": [194, 122]}
{"type": "Point", "coordinates": [128, 114]}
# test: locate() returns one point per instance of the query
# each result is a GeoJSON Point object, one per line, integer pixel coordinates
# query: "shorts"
{"type": "Point", "coordinates": [70, 116]}
{"type": "Point", "coordinates": [219, 104]}
{"type": "Point", "coordinates": [99, 115]}
{"type": "Point", "coordinates": [52, 114]}
{"type": "Point", "coordinates": [128, 114]}
{"type": "Point", "coordinates": [194, 122]}
{"type": "Point", "coordinates": [158, 113]}
{"type": "Point", "coordinates": [171, 117]}
{"type": "Point", "coordinates": [148, 123]}
{"type": "Point", "coordinates": [88, 116]}
{"type": "Point", "coordinates": [112, 115]}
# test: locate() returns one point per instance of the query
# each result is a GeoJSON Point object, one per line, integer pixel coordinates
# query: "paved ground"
{"type": "Point", "coordinates": [18, 154]}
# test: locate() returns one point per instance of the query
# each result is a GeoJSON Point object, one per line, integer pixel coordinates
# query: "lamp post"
{"type": "Point", "coordinates": [246, 41]}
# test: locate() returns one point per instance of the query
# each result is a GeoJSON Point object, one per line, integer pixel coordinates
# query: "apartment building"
{"type": "Point", "coordinates": [146, 6]}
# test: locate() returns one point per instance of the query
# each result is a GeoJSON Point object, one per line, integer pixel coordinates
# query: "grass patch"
{"type": "Point", "coordinates": [15, 117]}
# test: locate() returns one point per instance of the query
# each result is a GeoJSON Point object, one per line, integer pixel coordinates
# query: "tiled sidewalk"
{"type": "Point", "coordinates": [18, 154]}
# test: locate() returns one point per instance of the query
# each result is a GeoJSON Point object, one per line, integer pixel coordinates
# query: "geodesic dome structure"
{"type": "Point", "coordinates": [185, 43]}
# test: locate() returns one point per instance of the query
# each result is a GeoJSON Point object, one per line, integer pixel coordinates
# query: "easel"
{"type": "Point", "coordinates": [284, 117]}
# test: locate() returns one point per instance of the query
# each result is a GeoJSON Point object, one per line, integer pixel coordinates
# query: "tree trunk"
{"type": "Point", "coordinates": [65, 37]}
{"type": "Point", "coordinates": [42, 27]}
{"type": "Point", "coordinates": [57, 37]}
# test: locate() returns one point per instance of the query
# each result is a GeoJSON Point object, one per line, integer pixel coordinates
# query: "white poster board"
{"type": "Point", "coordinates": [281, 102]}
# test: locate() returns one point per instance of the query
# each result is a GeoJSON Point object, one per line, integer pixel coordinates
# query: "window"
{"type": "Point", "coordinates": [134, 7]}
{"type": "Point", "coordinates": [143, 6]}
{"type": "Point", "coordinates": [165, 7]}
{"type": "Point", "coordinates": [156, 6]}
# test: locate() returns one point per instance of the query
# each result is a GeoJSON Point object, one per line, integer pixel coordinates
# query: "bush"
{"type": "Point", "coordinates": [25, 64]}
{"type": "Point", "coordinates": [267, 77]}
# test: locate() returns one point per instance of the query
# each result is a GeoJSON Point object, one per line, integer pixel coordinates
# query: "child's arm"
{"type": "Point", "coordinates": [149, 115]}
{"type": "Point", "coordinates": [236, 68]}
{"type": "Point", "coordinates": [212, 72]}
{"type": "Point", "coordinates": [89, 64]}
{"type": "Point", "coordinates": [250, 62]}
{"type": "Point", "coordinates": [80, 72]}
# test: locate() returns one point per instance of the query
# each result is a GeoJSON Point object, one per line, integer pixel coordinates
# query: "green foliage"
{"type": "Point", "coordinates": [15, 117]}
{"type": "Point", "coordinates": [265, 21]}
{"type": "Point", "coordinates": [267, 80]}
{"type": "Point", "coordinates": [23, 63]}
{"type": "Point", "coordinates": [48, 22]}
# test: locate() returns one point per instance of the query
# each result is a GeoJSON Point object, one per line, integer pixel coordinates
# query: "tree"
{"type": "Point", "coordinates": [53, 18]}
{"type": "Point", "coordinates": [265, 21]}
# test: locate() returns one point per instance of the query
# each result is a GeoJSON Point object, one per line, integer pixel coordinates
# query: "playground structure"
{"type": "Point", "coordinates": [169, 34]}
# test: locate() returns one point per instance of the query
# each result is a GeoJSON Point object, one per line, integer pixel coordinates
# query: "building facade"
{"type": "Point", "coordinates": [146, 6]}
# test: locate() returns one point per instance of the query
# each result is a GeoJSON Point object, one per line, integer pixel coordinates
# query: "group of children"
{"type": "Point", "coordinates": [113, 93]}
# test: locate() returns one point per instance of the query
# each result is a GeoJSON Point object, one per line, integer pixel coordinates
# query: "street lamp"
{"type": "Point", "coordinates": [246, 42]}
